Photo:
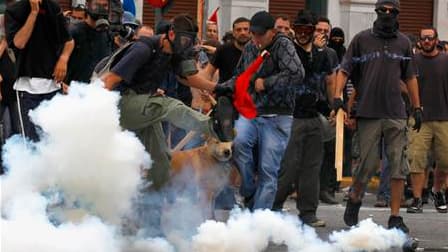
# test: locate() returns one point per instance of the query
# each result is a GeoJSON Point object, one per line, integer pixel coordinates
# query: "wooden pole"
{"type": "Point", "coordinates": [339, 153]}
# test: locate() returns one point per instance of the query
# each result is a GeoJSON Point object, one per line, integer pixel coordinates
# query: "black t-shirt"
{"type": "Point", "coordinates": [8, 74]}
{"type": "Point", "coordinates": [376, 67]}
{"type": "Point", "coordinates": [226, 58]}
{"type": "Point", "coordinates": [45, 45]}
{"type": "Point", "coordinates": [90, 47]}
{"type": "Point", "coordinates": [433, 86]}
{"type": "Point", "coordinates": [144, 66]}
{"type": "Point", "coordinates": [311, 94]}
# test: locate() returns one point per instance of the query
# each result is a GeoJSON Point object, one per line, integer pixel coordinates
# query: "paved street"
{"type": "Point", "coordinates": [430, 228]}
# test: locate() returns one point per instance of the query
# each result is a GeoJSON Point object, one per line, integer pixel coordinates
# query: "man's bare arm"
{"type": "Point", "coordinates": [341, 79]}
{"type": "Point", "coordinates": [60, 70]}
{"type": "Point", "coordinates": [110, 80]}
{"type": "Point", "coordinates": [23, 35]}
{"type": "Point", "coordinates": [414, 96]}
{"type": "Point", "coordinates": [198, 81]}
{"type": "Point", "coordinates": [331, 85]}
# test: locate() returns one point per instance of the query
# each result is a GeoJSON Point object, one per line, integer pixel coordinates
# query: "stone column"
{"type": "Point", "coordinates": [356, 16]}
{"type": "Point", "coordinates": [441, 18]}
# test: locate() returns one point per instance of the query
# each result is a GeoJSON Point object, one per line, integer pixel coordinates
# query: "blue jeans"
{"type": "Point", "coordinates": [270, 135]}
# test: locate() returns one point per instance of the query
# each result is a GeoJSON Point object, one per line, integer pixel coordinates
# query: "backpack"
{"type": "Point", "coordinates": [108, 62]}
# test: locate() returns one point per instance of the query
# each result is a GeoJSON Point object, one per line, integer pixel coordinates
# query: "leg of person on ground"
{"type": "Point", "coordinates": [395, 139]}
{"type": "Point", "coordinates": [369, 135]}
{"type": "Point", "coordinates": [273, 136]}
{"type": "Point", "coordinates": [243, 157]}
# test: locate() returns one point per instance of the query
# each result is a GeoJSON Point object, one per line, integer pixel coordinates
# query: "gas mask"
{"type": "Point", "coordinates": [100, 15]}
{"type": "Point", "coordinates": [184, 53]}
{"type": "Point", "coordinates": [183, 43]}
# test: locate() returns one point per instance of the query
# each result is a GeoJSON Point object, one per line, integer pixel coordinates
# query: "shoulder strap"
{"type": "Point", "coordinates": [106, 64]}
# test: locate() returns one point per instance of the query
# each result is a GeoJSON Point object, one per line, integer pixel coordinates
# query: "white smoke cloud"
{"type": "Point", "coordinates": [87, 167]}
{"type": "Point", "coordinates": [70, 191]}
{"type": "Point", "coordinates": [252, 232]}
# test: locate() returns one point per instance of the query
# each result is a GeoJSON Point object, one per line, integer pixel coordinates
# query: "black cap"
{"type": "Point", "coordinates": [395, 3]}
{"type": "Point", "coordinates": [261, 22]}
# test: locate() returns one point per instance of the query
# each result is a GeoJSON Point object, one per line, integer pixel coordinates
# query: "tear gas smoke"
{"type": "Point", "coordinates": [70, 191]}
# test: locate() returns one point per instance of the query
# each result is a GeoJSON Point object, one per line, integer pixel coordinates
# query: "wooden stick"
{"type": "Point", "coordinates": [339, 153]}
{"type": "Point", "coordinates": [192, 133]}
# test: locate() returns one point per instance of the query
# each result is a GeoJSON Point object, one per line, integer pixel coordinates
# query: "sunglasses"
{"type": "Point", "coordinates": [79, 7]}
{"type": "Point", "coordinates": [385, 10]}
{"type": "Point", "coordinates": [321, 30]}
{"type": "Point", "coordinates": [304, 29]}
{"type": "Point", "coordinates": [429, 38]}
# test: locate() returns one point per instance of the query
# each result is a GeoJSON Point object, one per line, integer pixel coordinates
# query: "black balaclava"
{"type": "Point", "coordinates": [386, 24]}
{"type": "Point", "coordinates": [337, 46]}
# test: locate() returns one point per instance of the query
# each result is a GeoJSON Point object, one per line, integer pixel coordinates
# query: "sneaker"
{"type": "Point", "coordinates": [439, 202]}
{"type": "Point", "coordinates": [223, 119]}
{"type": "Point", "coordinates": [327, 198]}
{"type": "Point", "coordinates": [351, 212]}
{"type": "Point", "coordinates": [381, 202]}
{"type": "Point", "coordinates": [313, 221]}
{"type": "Point", "coordinates": [416, 206]}
{"type": "Point", "coordinates": [397, 222]}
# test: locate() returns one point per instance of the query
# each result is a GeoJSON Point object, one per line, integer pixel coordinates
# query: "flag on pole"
{"type": "Point", "coordinates": [214, 17]}
{"type": "Point", "coordinates": [242, 100]}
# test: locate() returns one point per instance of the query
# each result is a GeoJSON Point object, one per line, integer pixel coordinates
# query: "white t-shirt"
{"type": "Point", "coordinates": [36, 85]}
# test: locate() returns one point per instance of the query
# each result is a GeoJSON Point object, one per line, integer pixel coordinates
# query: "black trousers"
{"type": "Point", "coordinates": [328, 171]}
{"type": "Point", "coordinates": [301, 165]}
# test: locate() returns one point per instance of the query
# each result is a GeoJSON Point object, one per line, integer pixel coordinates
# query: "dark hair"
{"type": "Point", "coordinates": [323, 19]}
{"type": "Point", "coordinates": [228, 36]}
{"type": "Point", "coordinates": [429, 28]}
{"type": "Point", "coordinates": [305, 17]}
{"type": "Point", "coordinates": [240, 20]}
{"type": "Point", "coordinates": [284, 17]}
{"type": "Point", "coordinates": [185, 23]}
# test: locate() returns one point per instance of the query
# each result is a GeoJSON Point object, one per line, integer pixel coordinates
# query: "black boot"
{"type": "Point", "coordinates": [327, 198]}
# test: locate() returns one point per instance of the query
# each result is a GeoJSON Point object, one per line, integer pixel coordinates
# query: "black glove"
{"type": "Point", "coordinates": [337, 104]}
{"type": "Point", "coordinates": [418, 117]}
{"type": "Point", "coordinates": [223, 90]}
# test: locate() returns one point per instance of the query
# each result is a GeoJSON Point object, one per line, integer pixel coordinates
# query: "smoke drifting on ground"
{"type": "Point", "coordinates": [70, 191]}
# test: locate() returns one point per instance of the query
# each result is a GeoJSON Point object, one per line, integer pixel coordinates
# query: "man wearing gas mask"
{"type": "Point", "coordinates": [302, 161]}
{"type": "Point", "coordinates": [92, 42]}
{"type": "Point", "coordinates": [138, 74]}
{"type": "Point", "coordinates": [377, 60]}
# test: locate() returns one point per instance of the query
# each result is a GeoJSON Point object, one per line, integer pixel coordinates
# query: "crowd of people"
{"type": "Point", "coordinates": [392, 88]}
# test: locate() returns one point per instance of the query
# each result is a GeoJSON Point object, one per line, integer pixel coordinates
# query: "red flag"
{"type": "Point", "coordinates": [214, 17]}
{"type": "Point", "coordinates": [157, 3]}
{"type": "Point", "coordinates": [242, 100]}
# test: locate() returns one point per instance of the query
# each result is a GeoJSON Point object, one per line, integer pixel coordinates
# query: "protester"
{"type": "Point", "coordinates": [140, 72]}
{"type": "Point", "coordinates": [336, 42]}
{"type": "Point", "coordinates": [212, 31]}
{"type": "Point", "coordinates": [36, 31]}
{"type": "Point", "coordinates": [282, 24]}
{"type": "Point", "coordinates": [432, 67]}
{"type": "Point", "coordinates": [228, 55]}
{"type": "Point", "coordinates": [377, 71]}
{"type": "Point", "coordinates": [302, 160]}
{"type": "Point", "coordinates": [92, 43]}
{"type": "Point", "coordinates": [273, 89]}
